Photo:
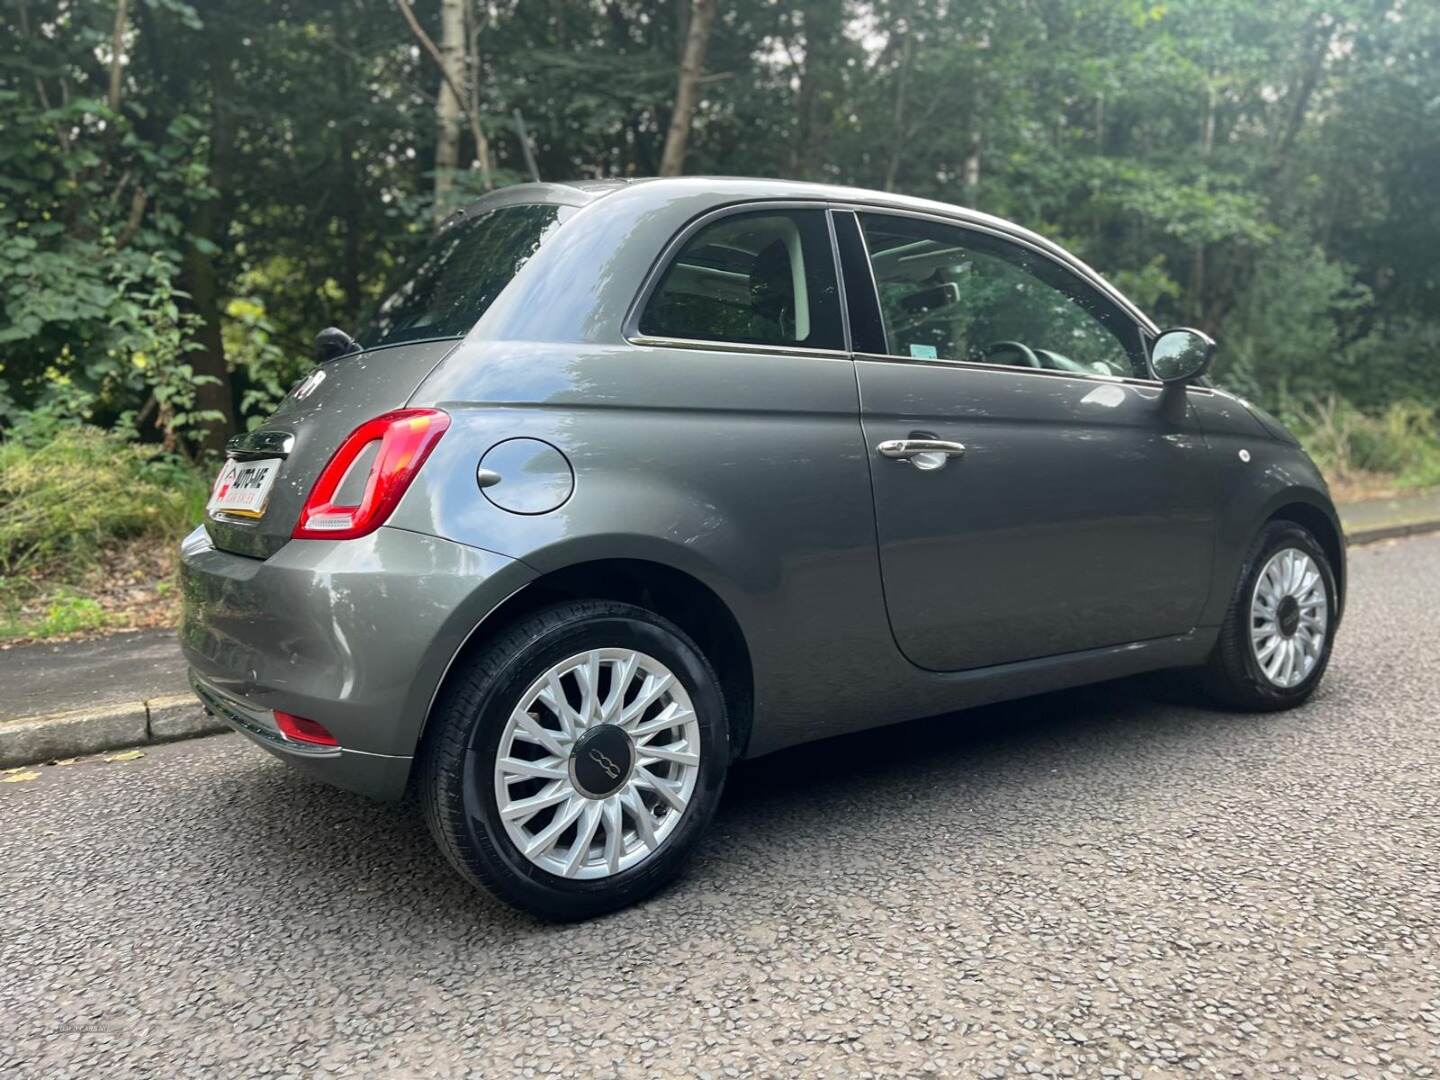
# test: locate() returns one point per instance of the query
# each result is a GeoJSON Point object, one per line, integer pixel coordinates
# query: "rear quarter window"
{"type": "Point", "coordinates": [461, 273]}
{"type": "Point", "coordinates": [762, 278]}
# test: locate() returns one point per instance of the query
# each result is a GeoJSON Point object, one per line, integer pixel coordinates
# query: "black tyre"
{"type": "Point", "coordinates": [1274, 644]}
{"type": "Point", "coordinates": [572, 766]}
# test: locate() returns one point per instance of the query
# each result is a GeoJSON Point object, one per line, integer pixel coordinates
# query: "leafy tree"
{"type": "Point", "coordinates": [188, 192]}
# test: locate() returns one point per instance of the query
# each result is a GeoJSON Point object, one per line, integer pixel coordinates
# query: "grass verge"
{"type": "Point", "coordinates": [1366, 455]}
{"type": "Point", "coordinates": [88, 530]}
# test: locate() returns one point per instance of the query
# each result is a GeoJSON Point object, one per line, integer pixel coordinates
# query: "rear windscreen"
{"type": "Point", "coordinates": [461, 273]}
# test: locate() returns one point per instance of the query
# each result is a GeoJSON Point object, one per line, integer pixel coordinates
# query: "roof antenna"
{"type": "Point", "coordinates": [525, 147]}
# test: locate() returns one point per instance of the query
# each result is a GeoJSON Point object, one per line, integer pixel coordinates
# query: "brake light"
{"type": "Point", "coordinates": [298, 729]}
{"type": "Point", "coordinates": [406, 438]}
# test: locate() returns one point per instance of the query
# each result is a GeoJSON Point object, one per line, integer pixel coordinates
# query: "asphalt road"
{"type": "Point", "coordinates": [1107, 882]}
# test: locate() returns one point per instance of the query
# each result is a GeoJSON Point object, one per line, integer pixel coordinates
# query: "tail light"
{"type": "Point", "coordinates": [298, 729]}
{"type": "Point", "coordinates": [406, 438]}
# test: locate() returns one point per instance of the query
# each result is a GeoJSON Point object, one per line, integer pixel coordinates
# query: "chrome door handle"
{"type": "Point", "coordinates": [905, 450]}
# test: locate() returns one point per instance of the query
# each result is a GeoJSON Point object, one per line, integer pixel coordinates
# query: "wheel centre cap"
{"type": "Point", "coordinates": [1288, 616]}
{"type": "Point", "coordinates": [601, 761]}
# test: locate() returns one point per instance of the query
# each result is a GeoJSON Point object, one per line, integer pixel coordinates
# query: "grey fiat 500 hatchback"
{"type": "Point", "coordinates": [630, 480]}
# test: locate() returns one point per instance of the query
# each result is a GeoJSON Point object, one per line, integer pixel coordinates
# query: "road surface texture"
{"type": "Point", "coordinates": [1109, 882]}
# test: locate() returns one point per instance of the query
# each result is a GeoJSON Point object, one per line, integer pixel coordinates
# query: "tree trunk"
{"type": "Point", "coordinates": [970, 175]}
{"type": "Point", "coordinates": [821, 30]}
{"type": "Point", "coordinates": [1309, 81]}
{"type": "Point", "coordinates": [202, 281]}
{"type": "Point", "coordinates": [351, 196]}
{"type": "Point", "coordinates": [472, 63]}
{"type": "Point", "coordinates": [897, 120]}
{"type": "Point", "coordinates": [1197, 256]}
{"type": "Point", "coordinates": [692, 64]}
{"type": "Point", "coordinates": [117, 46]}
{"type": "Point", "coordinates": [448, 109]}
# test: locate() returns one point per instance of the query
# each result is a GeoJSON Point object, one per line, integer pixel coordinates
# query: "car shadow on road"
{"type": "Point", "coordinates": [384, 854]}
{"type": "Point", "coordinates": [1090, 716]}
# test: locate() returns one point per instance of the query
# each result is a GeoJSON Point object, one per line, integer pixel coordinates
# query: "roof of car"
{"type": "Point", "coordinates": [741, 188]}
{"type": "Point", "coordinates": [754, 187]}
{"type": "Point", "coordinates": [732, 189]}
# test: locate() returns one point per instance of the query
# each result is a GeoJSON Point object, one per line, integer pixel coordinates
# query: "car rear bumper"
{"type": "Point", "coordinates": [380, 776]}
{"type": "Point", "coordinates": [355, 635]}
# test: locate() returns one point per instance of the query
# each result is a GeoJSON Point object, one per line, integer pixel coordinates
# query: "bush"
{"type": "Point", "coordinates": [1402, 442]}
{"type": "Point", "coordinates": [66, 493]}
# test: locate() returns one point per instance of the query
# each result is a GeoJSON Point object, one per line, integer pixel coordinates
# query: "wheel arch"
{"type": "Point", "coordinates": [1322, 525]}
{"type": "Point", "coordinates": [667, 591]}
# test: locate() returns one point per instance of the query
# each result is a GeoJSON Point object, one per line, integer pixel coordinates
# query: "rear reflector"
{"type": "Point", "coordinates": [406, 438]}
{"type": "Point", "coordinates": [298, 729]}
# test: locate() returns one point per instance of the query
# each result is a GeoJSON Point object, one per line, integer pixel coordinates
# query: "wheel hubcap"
{"type": "Point", "coordinates": [1289, 613]}
{"type": "Point", "coordinates": [597, 763]}
{"type": "Point", "coordinates": [601, 761]}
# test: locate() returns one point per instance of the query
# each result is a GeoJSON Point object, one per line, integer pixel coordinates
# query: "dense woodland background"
{"type": "Point", "coordinates": [189, 191]}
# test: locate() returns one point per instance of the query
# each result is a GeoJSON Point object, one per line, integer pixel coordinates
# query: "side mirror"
{"type": "Point", "coordinates": [1180, 355]}
{"type": "Point", "coordinates": [332, 342]}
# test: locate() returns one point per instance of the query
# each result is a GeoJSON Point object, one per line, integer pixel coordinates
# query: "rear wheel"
{"type": "Point", "coordinates": [572, 767]}
{"type": "Point", "coordinates": [1275, 642]}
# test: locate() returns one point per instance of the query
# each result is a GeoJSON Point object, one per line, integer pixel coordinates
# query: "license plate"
{"type": "Point", "coordinates": [243, 487]}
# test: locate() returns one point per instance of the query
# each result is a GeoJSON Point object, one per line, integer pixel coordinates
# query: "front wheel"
{"type": "Point", "coordinates": [1275, 642]}
{"type": "Point", "coordinates": [572, 766]}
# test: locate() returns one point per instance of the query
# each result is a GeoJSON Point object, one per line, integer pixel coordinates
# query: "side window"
{"type": "Point", "coordinates": [766, 278]}
{"type": "Point", "coordinates": [952, 294]}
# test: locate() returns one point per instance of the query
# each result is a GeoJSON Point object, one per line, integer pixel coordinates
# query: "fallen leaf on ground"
{"type": "Point", "coordinates": [65, 761]}
{"type": "Point", "coordinates": [126, 755]}
{"type": "Point", "coordinates": [14, 776]}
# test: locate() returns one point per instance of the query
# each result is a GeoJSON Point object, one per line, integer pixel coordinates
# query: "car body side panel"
{"type": "Point", "coordinates": [1278, 473]}
{"type": "Point", "coordinates": [745, 471]}
{"type": "Point", "coordinates": [762, 495]}
{"type": "Point", "coordinates": [1081, 514]}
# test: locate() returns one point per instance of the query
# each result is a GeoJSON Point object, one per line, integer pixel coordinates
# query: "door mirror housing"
{"type": "Point", "coordinates": [332, 343]}
{"type": "Point", "coordinates": [1181, 355]}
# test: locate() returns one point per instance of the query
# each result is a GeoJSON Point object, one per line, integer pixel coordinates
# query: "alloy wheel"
{"type": "Point", "coordinates": [597, 763]}
{"type": "Point", "coordinates": [1289, 613]}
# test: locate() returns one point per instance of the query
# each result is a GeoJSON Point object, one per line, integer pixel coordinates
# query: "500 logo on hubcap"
{"type": "Point", "coordinates": [611, 769]}
{"type": "Point", "coordinates": [601, 761]}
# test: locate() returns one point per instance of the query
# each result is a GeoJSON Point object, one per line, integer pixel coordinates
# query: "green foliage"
{"type": "Point", "coordinates": [1284, 339]}
{"type": "Point", "coordinates": [251, 345]}
{"type": "Point", "coordinates": [1262, 171]}
{"type": "Point", "coordinates": [1401, 442]}
{"type": "Point", "coordinates": [91, 218]}
{"type": "Point", "coordinates": [67, 611]}
{"type": "Point", "coordinates": [67, 491]}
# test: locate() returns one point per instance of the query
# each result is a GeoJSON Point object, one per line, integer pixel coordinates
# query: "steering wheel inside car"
{"type": "Point", "coordinates": [1027, 354]}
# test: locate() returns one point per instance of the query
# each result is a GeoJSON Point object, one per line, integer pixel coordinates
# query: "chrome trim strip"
{"type": "Point", "coordinates": [736, 347]}
{"type": "Point", "coordinates": [1151, 384]}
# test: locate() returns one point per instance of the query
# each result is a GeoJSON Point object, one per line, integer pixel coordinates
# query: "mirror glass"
{"type": "Point", "coordinates": [1179, 355]}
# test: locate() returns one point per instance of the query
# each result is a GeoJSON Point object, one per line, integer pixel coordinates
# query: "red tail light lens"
{"type": "Point", "coordinates": [306, 731]}
{"type": "Point", "coordinates": [406, 438]}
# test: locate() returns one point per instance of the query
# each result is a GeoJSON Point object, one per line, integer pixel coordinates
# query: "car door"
{"type": "Point", "coordinates": [1032, 496]}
